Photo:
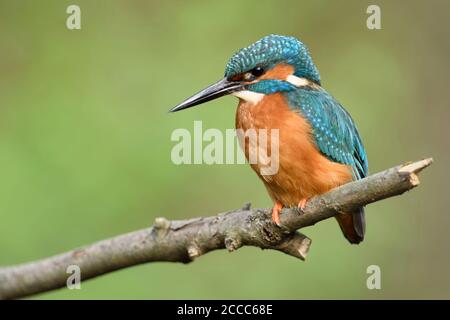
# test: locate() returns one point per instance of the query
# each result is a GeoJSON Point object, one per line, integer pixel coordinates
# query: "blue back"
{"type": "Point", "coordinates": [334, 131]}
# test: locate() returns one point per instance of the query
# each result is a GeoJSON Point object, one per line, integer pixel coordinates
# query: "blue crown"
{"type": "Point", "coordinates": [271, 50]}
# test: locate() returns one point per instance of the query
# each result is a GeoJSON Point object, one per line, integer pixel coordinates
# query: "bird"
{"type": "Point", "coordinates": [279, 87]}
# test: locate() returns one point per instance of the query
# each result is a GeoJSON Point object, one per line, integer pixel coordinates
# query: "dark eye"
{"type": "Point", "coordinates": [258, 71]}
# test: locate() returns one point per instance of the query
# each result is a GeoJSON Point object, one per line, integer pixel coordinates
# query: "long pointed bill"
{"type": "Point", "coordinates": [214, 91]}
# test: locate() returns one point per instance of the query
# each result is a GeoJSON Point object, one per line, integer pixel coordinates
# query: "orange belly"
{"type": "Point", "coordinates": [303, 171]}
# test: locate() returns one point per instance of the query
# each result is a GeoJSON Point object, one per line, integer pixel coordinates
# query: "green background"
{"type": "Point", "coordinates": [85, 140]}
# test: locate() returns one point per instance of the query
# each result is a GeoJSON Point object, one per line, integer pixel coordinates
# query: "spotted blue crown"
{"type": "Point", "coordinates": [271, 50]}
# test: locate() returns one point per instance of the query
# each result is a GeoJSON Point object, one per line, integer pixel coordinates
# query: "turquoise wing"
{"type": "Point", "coordinates": [334, 131]}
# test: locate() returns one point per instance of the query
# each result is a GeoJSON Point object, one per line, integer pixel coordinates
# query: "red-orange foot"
{"type": "Point", "coordinates": [276, 213]}
{"type": "Point", "coordinates": [302, 204]}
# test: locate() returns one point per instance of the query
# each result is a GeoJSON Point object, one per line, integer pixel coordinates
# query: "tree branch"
{"type": "Point", "coordinates": [185, 240]}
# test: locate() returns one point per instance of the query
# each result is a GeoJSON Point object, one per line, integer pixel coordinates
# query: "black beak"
{"type": "Point", "coordinates": [214, 91]}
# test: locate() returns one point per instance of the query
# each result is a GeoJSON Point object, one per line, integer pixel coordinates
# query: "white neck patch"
{"type": "Point", "coordinates": [255, 97]}
{"type": "Point", "coordinates": [297, 81]}
{"type": "Point", "coordinates": [249, 96]}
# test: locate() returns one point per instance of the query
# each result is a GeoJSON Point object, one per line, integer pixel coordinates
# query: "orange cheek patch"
{"type": "Point", "coordinates": [280, 72]}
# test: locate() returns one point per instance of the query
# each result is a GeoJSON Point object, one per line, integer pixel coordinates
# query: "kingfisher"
{"type": "Point", "coordinates": [279, 87]}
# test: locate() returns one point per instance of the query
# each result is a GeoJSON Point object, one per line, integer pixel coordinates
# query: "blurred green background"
{"type": "Point", "coordinates": [85, 140]}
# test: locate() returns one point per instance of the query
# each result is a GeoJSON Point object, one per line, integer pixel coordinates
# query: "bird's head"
{"type": "Point", "coordinates": [273, 64]}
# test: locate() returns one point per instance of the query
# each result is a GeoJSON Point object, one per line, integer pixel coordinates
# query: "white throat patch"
{"type": "Point", "coordinates": [249, 96]}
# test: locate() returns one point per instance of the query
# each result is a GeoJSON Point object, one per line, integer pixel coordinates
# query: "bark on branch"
{"type": "Point", "coordinates": [185, 240]}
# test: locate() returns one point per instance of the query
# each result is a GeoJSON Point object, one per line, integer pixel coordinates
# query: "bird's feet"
{"type": "Point", "coordinates": [276, 213]}
{"type": "Point", "coordinates": [302, 204]}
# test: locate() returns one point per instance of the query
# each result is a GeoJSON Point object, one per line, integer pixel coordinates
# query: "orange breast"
{"type": "Point", "coordinates": [303, 171]}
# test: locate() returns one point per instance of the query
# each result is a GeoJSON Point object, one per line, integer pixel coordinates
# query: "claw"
{"type": "Point", "coordinates": [276, 213]}
{"type": "Point", "coordinates": [302, 204]}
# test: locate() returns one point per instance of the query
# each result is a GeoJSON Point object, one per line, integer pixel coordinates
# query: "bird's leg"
{"type": "Point", "coordinates": [302, 204]}
{"type": "Point", "coordinates": [276, 213]}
